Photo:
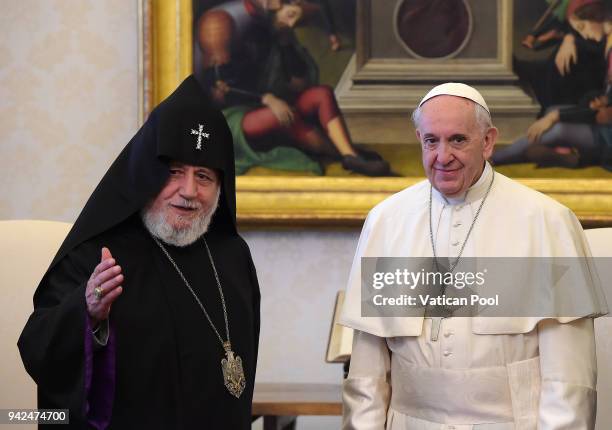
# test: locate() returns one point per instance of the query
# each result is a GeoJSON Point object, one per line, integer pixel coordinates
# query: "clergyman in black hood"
{"type": "Point", "coordinates": [148, 316]}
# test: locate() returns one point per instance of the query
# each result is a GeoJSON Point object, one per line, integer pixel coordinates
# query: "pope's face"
{"type": "Point", "coordinates": [454, 145]}
{"type": "Point", "coordinates": [189, 194]}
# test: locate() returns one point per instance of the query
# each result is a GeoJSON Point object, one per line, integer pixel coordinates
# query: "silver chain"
{"type": "Point", "coordinates": [433, 243]}
{"type": "Point", "coordinates": [212, 263]}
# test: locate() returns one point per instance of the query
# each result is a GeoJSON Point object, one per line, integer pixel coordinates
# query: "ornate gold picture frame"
{"type": "Point", "coordinates": [294, 202]}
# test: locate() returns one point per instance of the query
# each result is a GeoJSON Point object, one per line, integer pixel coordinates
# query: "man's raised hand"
{"type": "Point", "coordinates": [103, 287]}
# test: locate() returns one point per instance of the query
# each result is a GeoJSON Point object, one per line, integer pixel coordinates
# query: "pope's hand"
{"type": "Point", "coordinates": [103, 288]}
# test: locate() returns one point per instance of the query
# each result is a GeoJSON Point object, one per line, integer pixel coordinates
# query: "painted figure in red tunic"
{"type": "Point", "coordinates": [267, 84]}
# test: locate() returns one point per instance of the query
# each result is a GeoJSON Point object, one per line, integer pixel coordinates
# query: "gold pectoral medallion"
{"type": "Point", "coordinates": [233, 373]}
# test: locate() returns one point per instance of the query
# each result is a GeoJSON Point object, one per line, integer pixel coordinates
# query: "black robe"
{"type": "Point", "coordinates": [167, 357]}
{"type": "Point", "coordinates": [161, 368]}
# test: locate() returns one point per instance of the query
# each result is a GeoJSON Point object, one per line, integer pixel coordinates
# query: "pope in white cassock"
{"type": "Point", "coordinates": [478, 373]}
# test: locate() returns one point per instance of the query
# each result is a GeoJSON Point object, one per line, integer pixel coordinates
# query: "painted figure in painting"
{"type": "Point", "coordinates": [329, 25]}
{"type": "Point", "coordinates": [549, 28]}
{"type": "Point", "coordinates": [571, 135]}
{"type": "Point", "coordinates": [576, 68]}
{"type": "Point", "coordinates": [267, 83]}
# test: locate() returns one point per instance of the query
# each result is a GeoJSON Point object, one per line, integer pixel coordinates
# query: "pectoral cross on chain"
{"type": "Point", "coordinates": [200, 133]}
{"type": "Point", "coordinates": [437, 313]}
{"type": "Point", "coordinates": [436, 323]}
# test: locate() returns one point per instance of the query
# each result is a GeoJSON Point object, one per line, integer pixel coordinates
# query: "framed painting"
{"type": "Point", "coordinates": [385, 68]}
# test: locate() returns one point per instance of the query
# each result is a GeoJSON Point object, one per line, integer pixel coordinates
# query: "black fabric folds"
{"type": "Point", "coordinates": [166, 357]}
{"type": "Point", "coordinates": [141, 168]}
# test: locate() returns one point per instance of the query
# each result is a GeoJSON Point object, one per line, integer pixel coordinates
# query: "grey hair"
{"type": "Point", "coordinates": [483, 118]}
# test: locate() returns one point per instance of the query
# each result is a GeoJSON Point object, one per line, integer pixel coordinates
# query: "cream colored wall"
{"type": "Point", "coordinates": [68, 91]}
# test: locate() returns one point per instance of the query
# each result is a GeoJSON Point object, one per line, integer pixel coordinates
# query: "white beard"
{"type": "Point", "coordinates": [156, 223]}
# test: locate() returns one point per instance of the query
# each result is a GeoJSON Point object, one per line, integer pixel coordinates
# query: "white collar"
{"type": "Point", "coordinates": [474, 193]}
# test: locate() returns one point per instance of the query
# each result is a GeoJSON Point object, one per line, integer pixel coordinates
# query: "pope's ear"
{"type": "Point", "coordinates": [489, 141]}
{"type": "Point", "coordinates": [418, 135]}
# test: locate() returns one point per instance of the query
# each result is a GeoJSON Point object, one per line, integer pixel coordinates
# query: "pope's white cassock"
{"type": "Point", "coordinates": [481, 373]}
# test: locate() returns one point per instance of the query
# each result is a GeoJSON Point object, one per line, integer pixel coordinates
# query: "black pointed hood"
{"type": "Point", "coordinates": [137, 175]}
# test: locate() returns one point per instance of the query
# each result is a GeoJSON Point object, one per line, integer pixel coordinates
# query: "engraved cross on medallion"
{"type": "Point", "coordinates": [200, 133]}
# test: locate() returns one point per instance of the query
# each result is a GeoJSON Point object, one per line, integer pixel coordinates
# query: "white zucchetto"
{"type": "Point", "coordinates": [456, 89]}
